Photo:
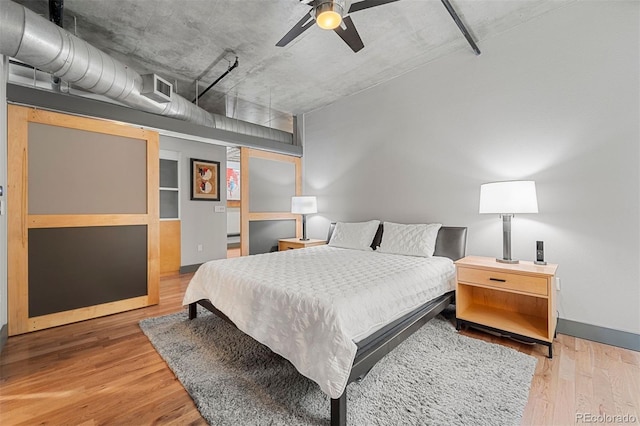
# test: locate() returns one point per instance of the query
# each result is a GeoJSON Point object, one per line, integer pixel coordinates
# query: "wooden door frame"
{"type": "Point", "coordinates": [247, 216]}
{"type": "Point", "coordinates": [19, 220]}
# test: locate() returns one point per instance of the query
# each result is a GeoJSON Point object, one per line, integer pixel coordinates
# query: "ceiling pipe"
{"type": "Point", "coordinates": [461, 26]}
{"type": "Point", "coordinates": [231, 68]}
{"type": "Point", "coordinates": [32, 39]}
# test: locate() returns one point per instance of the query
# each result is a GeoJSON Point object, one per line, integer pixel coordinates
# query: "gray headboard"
{"type": "Point", "coordinates": [451, 241]}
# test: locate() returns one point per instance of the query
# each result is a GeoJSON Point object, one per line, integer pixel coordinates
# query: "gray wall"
{"type": "Point", "coordinates": [201, 225]}
{"type": "Point", "coordinates": [555, 100]}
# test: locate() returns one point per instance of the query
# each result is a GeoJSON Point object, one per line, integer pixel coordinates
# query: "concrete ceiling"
{"type": "Point", "coordinates": [196, 40]}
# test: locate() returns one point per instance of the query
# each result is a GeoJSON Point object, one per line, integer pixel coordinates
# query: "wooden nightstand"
{"type": "Point", "coordinates": [296, 243]}
{"type": "Point", "coordinates": [514, 299]}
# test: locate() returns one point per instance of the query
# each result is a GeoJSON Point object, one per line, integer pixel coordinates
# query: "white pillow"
{"type": "Point", "coordinates": [357, 235]}
{"type": "Point", "coordinates": [410, 240]}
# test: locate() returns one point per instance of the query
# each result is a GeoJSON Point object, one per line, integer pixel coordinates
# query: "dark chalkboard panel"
{"type": "Point", "coordinates": [264, 234]}
{"type": "Point", "coordinates": [71, 268]}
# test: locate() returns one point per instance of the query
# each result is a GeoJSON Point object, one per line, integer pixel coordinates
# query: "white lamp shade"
{"type": "Point", "coordinates": [518, 196]}
{"type": "Point", "coordinates": [304, 205]}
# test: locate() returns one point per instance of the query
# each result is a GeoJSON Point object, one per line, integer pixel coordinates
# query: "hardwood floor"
{"type": "Point", "coordinates": [105, 371]}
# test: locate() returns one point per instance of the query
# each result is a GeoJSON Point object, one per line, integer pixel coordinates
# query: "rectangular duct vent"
{"type": "Point", "coordinates": [156, 88]}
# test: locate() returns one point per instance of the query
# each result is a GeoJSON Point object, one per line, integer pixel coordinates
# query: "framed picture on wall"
{"type": "Point", "coordinates": [233, 180]}
{"type": "Point", "coordinates": [205, 180]}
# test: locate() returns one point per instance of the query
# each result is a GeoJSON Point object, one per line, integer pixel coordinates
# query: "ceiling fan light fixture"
{"type": "Point", "coordinates": [329, 15]}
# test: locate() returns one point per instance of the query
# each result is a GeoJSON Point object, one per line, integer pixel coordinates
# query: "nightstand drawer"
{"type": "Point", "coordinates": [296, 243]}
{"type": "Point", "coordinates": [524, 283]}
{"type": "Point", "coordinates": [288, 246]}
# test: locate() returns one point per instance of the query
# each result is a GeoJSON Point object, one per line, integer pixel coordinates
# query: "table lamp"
{"type": "Point", "coordinates": [304, 206]}
{"type": "Point", "coordinates": [507, 199]}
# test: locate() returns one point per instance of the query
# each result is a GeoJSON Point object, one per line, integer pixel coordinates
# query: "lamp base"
{"type": "Point", "coordinates": [539, 262]}
{"type": "Point", "coordinates": [304, 239]}
{"type": "Point", "coordinates": [509, 261]}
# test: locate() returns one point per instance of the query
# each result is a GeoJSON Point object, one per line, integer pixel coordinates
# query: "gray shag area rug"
{"type": "Point", "coordinates": [435, 377]}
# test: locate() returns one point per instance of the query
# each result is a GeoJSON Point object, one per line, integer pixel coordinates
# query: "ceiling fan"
{"type": "Point", "coordinates": [330, 15]}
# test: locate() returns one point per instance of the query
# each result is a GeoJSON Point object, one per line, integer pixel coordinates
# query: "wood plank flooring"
{"type": "Point", "coordinates": [105, 372]}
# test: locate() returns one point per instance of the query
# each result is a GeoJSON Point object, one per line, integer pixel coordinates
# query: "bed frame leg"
{"type": "Point", "coordinates": [339, 410]}
{"type": "Point", "coordinates": [193, 310]}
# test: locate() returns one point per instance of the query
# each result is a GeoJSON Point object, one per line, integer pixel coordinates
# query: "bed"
{"type": "Point", "coordinates": [333, 312]}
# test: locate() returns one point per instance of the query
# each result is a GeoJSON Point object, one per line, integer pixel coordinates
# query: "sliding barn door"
{"type": "Point", "coordinates": [83, 218]}
{"type": "Point", "coordinates": [268, 181]}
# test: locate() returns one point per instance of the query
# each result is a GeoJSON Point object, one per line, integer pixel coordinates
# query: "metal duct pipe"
{"type": "Point", "coordinates": [34, 40]}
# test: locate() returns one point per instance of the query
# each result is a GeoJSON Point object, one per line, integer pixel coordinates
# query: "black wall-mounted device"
{"type": "Point", "coordinates": [540, 253]}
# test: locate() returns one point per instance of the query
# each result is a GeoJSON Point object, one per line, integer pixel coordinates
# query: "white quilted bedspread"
{"type": "Point", "coordinates": [311, 305]}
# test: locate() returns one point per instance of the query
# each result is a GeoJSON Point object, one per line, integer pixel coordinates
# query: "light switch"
{"type": "Point", "coordinates": [221, 209]}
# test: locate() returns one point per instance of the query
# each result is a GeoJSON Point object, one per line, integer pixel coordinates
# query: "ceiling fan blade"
{"type": "Point", "coordinates": [304, 24]}
{"type": "Point", "coordinates": [366, 4]}
{"type": "Point", "coordinates": [350, 35]}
